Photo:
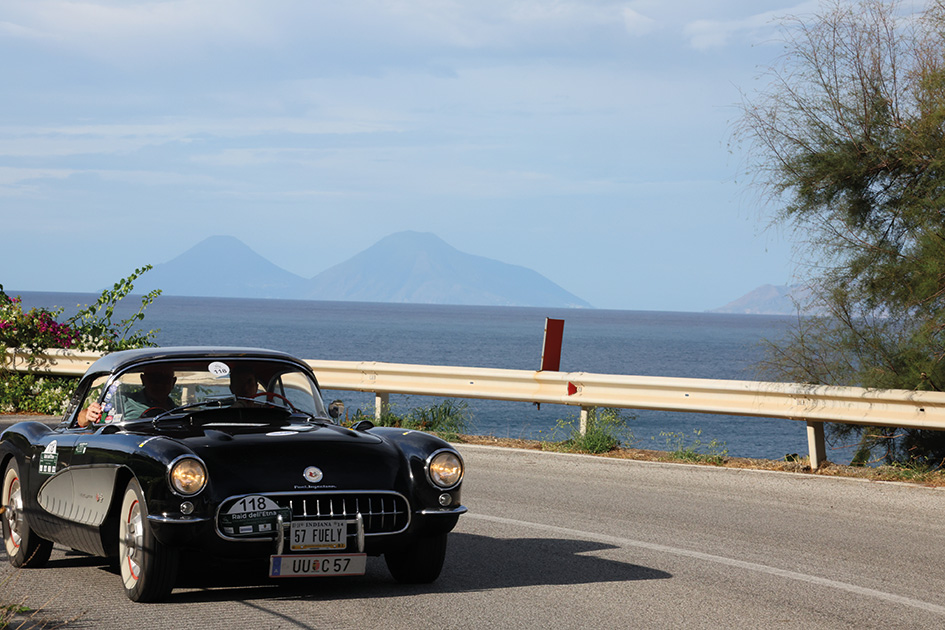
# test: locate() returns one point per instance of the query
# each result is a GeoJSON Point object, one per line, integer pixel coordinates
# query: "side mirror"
{"type": "Point", "coordinates": [336, 409]}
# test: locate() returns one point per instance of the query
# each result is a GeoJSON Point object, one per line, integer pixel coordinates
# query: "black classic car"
{"type": "Point", "coordinates": [229, 452]}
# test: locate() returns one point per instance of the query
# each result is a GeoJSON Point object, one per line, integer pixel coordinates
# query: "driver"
{"type": "Point", "coordinates": [158, 381]}
{"type": "Point", "coordinates": [89, 415]}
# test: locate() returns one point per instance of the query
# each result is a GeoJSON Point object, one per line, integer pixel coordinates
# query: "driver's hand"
{"type": "Point", "coordinates": [93, 414]}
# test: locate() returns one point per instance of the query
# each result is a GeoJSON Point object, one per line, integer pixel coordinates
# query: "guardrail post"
{"type": "Point", "coordinates": [381, 404]}
{"type": "Point", "coordinates": [585, 411]}
{"type": "Point", "coordinates": [816, 443]}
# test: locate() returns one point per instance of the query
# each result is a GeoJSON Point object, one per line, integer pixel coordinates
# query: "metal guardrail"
{"type": "Point", "coordinates": [811, 404]}
{"type": "Point", "coordinates": [54, 362]}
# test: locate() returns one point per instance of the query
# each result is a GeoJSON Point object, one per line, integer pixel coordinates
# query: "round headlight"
{"type": "Point", "coordinates": [188, 476]}
{"type": "Point", "coordinates": [445, 469]}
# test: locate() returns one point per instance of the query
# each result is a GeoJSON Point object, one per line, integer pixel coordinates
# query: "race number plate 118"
{"type": "Point", "coordinates": [312, 565]}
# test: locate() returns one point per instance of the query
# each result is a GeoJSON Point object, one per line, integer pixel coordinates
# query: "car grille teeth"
{"type": "Point", "coordinates": [382, 513]}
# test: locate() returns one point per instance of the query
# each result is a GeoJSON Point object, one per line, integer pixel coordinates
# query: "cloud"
{"type": "Point", "coordinates": [36, 181]}
{"type": "Point", "coordinates": [135, 27]}
{"type": "Point", "coordinates": [637, 24]}
{"type": "Point", "coordinates": [125, 138]}
{"type": "Point", "coordinates": [709, 34]}
{"type": "Point", "coordinates": [12, 178]}
{"type": "Point", "coordinates": [130, 34]}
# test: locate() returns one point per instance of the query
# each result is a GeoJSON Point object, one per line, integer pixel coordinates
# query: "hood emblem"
{"type": "Point", "coordinates": [312, 474]}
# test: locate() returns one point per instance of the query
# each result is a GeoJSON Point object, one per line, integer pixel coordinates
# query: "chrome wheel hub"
{"type": "Point", "coordinates": [133, 542]}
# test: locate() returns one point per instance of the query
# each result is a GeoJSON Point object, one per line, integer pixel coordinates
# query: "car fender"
{"type": "Point", "coordinates": [417, 447]}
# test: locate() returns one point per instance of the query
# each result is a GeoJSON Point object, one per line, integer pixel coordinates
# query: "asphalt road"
{"type": "Point", "coordinates": [580, 542]}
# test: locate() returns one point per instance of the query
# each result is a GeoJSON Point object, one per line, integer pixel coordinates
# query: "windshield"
{"type": "Point", "coordinates": [153, 388]}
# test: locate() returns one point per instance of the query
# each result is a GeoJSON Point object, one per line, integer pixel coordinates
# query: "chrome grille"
{"type": "Point", "coordinates": [382, 512]}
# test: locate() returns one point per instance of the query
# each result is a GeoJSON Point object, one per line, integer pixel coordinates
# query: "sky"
{"type": "Point", "coordinates": [587, 140]}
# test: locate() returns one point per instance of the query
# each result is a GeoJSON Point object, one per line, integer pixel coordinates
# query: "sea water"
{"type": "Point", "coordinates": [696, 345]}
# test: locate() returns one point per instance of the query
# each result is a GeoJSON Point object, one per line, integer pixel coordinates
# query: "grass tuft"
{"type": "Point", "coordinates": [607, 430]}
{"type": "Point", "coordinates": [448, 419]}
{"type": "Point", "coordinates": [694, 450]}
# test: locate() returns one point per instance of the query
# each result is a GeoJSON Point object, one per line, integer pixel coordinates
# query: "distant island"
{"type": "Point", "coordinates": [406, 267]}
{"type": "Point", "coordinates": [769, 299]}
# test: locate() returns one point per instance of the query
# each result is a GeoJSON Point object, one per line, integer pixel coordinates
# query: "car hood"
{"type": "Point", "coordinates": [276, 459]}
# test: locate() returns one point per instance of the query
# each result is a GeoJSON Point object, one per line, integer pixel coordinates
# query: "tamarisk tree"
{"type": "Point", "coordinates": [847, 141]}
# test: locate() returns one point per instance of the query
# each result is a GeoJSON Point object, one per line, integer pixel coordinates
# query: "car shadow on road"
{"type": "Point", "coordinates": [474, 563]}
{"type": "Point", "coordinates": [491, 563]}
{"type": "Point", "coordinates": [75, 559]}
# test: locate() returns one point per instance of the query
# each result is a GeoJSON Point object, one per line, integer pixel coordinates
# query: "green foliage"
{"type": "Point", "coordinates": [910, 472]}
{"type": "Point", "coordinates": [32, 330]}
{"type": "Point", "coordinates": [694, 449]}
{"type": "Point", "coordinates": [31, 393]}
{"type": "Point", "coordinates": [91, 328]}
{"type": "Point", "coordinates": [606, 430]}
{"type": "Point", "coordinates": [848, 141]}
{"type": "Point", "coordinates": [448, 419]}
{"type": "Point", "coordinates": [98, 332]}
{"type": "Point", "coordinates": [8, 614]}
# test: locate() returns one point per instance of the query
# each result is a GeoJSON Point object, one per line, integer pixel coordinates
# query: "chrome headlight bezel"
{"type": "Point", "coordinates": [187, 475]}
{"type": "Point", "coordinates": [445, 469]}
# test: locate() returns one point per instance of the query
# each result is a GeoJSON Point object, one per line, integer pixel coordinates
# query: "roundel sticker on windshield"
{"type": "Point", "coordinates": [313, 474]}
{"type": "Point", "coordinates": [219, 369]}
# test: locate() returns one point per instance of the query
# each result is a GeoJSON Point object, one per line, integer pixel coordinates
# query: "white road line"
{"type": "Point", "coordinates": [739, 564]}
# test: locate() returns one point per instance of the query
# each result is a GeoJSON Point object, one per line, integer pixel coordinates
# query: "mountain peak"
{"type": "Point", "coordinates": [420, 267]}
{"type": "Point", "coordinates": [227, 268]}
{"type": "Point", "coordinates": [406, 267]}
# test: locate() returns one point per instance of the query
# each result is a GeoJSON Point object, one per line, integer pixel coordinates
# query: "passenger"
{"type": "Point", "coordinates": [243, 385]}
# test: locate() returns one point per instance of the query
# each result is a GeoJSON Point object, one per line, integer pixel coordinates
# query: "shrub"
{"type": "Point", "coordinates": [31, 393]}
{"type": "Point", "coordinates": [606, 431]}
{"type": "Point", "coordinates": [32, 332]}
{"type": "Point", "coordinates": [447, 418]}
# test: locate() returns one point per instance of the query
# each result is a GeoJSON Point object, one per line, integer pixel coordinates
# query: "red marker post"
{"type": "Point", "coordinates": [551, 347]}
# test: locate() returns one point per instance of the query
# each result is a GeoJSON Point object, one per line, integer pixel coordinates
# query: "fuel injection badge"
{"type": "Point", "coordinates": [49, 459]}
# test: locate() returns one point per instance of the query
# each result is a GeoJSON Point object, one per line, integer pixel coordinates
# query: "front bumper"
{"type": "Point", "coordinates": [203, 534]}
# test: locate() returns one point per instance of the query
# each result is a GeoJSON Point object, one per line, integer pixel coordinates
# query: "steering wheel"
{"type": "Point", "coordinates": [270, 395]}
{"type": "Point", "coordinates": [152, 411]}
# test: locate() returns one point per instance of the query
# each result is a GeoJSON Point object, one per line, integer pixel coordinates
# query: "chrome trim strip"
{"type": "Point", "coordinates": [462, 509]}
{"type": "Point", "coordinates": [169, 520]}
